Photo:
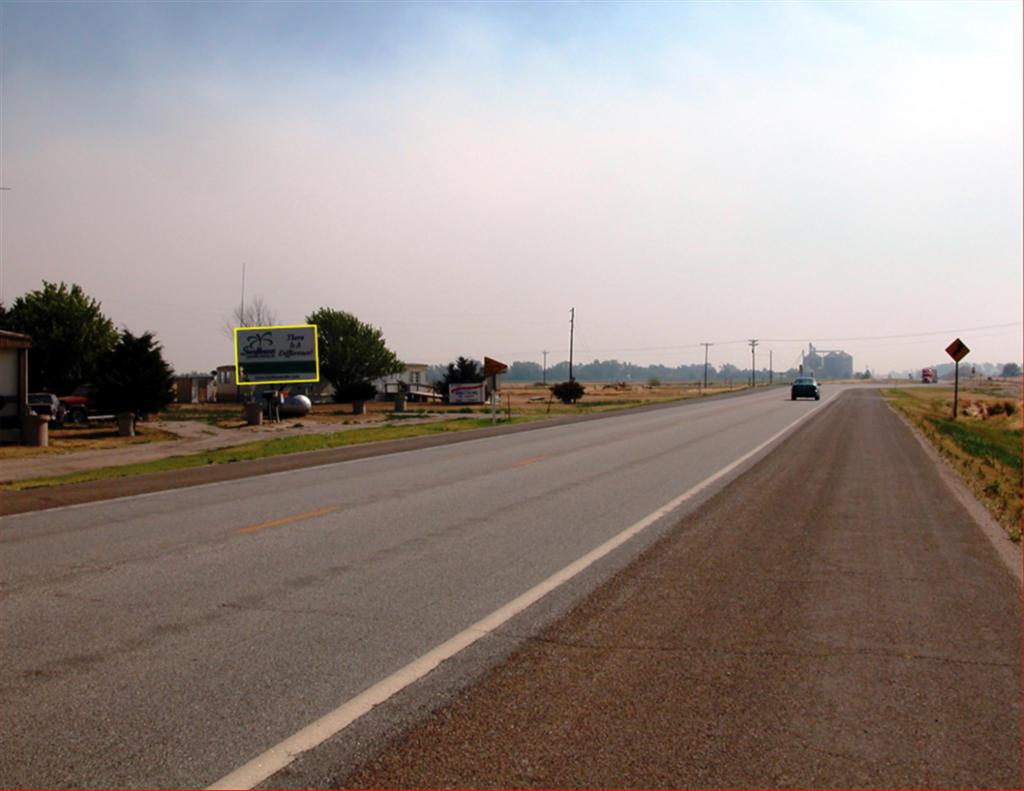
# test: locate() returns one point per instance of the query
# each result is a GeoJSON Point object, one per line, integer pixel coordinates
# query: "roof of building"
{"type": "Point", "coordinates": [14, 340]}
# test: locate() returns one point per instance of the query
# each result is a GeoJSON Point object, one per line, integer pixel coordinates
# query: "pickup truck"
{"type": "Point", "coordinates": [80, 405]}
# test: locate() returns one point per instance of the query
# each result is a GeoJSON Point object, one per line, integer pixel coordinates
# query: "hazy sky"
{"type": "Point", "coordinates": [462, 174]}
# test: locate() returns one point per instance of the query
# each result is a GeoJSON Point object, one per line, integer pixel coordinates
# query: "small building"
{"type": "Point", "coordinates": [13, 384]}
{"type": "Point", "coordinates": [413, 378]}
{"type": "Point", "coordinates": [194, 388]}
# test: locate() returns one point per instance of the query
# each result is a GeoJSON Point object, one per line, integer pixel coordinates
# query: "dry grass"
{"type": "Point", "coordinates": [983, 444]}
{"type": "Point", "coordinates": [523, 399]}
{"type": "Point", "coordinates": [97, 436]}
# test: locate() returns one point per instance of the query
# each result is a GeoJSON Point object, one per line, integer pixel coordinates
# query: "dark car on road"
{"type": "Point", "coordinates": [805, 387]}
{"type": "Point", "coordinates": [47, 404]}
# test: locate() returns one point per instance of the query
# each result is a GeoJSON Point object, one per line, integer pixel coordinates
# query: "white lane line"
{"type": "Point", "coordinates": [280, 755]}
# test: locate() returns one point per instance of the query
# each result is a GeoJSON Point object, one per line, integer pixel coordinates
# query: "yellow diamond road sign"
{"type": "Point", "coordinates": [957, 350]}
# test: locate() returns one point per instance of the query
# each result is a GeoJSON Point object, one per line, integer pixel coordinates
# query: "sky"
{"type": "Point", "coordinates": [460, 175]}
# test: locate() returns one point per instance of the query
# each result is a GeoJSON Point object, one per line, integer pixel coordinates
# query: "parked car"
{"type": "Point", "coordinates": [805, 387]}
{"type": "Point", "coordinates": [80, 404]}
{"type": "Point", "coordinates": [47, 404]}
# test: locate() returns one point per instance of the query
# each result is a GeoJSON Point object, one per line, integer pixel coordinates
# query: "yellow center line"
{"type": "Point", "coordinates": [287, 520]}
{"type": "Point", "coordinates": [532, 460]}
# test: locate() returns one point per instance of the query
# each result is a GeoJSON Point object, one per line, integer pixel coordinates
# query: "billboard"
{"type": "Point", "coordinates": [276, 355]}
{"type": "Point", "coordinates": [466, 393]}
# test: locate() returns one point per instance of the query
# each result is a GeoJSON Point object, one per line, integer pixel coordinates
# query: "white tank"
{"type": "Point", "coordinates": [296, 406]}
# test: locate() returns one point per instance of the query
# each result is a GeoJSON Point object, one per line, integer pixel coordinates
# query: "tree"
{"type": "Point", "coordinates": [134, 377]}
{"type": "Point", "coordinates": [256, 313]}
{"type": "Point", "coordinates": [70, 335]}
{"type": "Point", "coordinates": [1011, 370]}
{"type": "Point", "coordinates": [352, 354]}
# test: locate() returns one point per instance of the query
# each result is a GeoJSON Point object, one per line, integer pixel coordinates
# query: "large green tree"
{"type": "Point", "coordinates": [352, 354]}
{"type": "Point", "coordinates": [70, 335]}
{"type": "Point", "coordinates": [134, 377]}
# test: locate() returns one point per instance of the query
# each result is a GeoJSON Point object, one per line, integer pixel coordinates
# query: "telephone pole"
{"type": "Point", "coordinates": [544, 373]}
{"type": "Point", "coordinates": [706, 345]}
{"type": "Point", "coordinates": [241, 307]}
{"type": "Point", "coordinates": [753, 364]}
{"type": "Point", "coordinates": [771, 372]}
{"type": "Point", "coordinates": [572, 329]}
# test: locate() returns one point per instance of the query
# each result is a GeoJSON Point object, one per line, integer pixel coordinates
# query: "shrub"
{"type": "Point", "coordinates": [568, 392]}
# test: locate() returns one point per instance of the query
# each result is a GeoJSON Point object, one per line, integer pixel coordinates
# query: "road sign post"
{"type": "Point", "coordinates": [957, 350]}
{"type": "Point", "coordinates": [492, 368]}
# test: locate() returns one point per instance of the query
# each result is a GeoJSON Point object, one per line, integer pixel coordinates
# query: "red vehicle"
{"type": "Point", "coordinates": [80, 405]}
{"type": "Point", "coordinates": [929, 376]}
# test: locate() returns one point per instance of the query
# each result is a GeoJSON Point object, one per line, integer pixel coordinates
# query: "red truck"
{"type": "Point", "coordinates": [80, 405]}
{"type": "Point", "coordinates": [929, 376]}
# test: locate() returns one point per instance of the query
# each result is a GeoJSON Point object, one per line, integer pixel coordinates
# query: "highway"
{"type": "Point", "coordinates": [180, 638]}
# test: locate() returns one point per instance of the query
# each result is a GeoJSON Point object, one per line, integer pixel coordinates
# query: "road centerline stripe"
{"type": "Point", "coordinates": [280, 755]}
{"type": "Point", "coordinates": [287, 520]}
{"type": "Point", "coordinates": [531, 460]}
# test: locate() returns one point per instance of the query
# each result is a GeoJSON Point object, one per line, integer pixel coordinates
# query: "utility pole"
{"type": "Point", "coordinates": [706, 345]}
{"type": "Point", "coordinates": [753, 364]}
{"type": "Point", "coordinates": [572, 329]}
{"type": "Point", "coordinates": [241, 308]}
{"type": "Point", "coordinates": [771, 371]}
{"type": "Point", "coordinates": [2, 189]}
{"type": "Point", "coordinates": [544, 374]}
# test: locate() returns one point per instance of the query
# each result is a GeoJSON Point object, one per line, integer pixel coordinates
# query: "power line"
{"type": "Point", "coordinates": [903, 335]}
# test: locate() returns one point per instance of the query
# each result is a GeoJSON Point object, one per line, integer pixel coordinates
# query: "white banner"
{"type": "Point", "coordinates": [466, 393]}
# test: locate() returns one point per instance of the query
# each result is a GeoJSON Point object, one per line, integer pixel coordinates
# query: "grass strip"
{"type": "Point", "coordinates": [260, 450]}
{"type": "Point", "coordinates": [985, 453]}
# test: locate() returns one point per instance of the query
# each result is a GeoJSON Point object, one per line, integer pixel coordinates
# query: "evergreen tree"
{"type": "Point", "coordinates": [134, 377]}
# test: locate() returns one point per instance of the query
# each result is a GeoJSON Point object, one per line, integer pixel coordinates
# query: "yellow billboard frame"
{"type": "Point", "coordinates": [316, 355]}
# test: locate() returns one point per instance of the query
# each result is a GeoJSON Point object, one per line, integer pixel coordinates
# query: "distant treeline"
{"type": "Point", "coordinates": [615, 371]}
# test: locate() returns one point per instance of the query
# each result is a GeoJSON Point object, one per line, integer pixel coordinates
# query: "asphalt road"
{"type": "Point", "coordinates": [832, 619]}
{"type": "Point", "coordinates": [168, 639]}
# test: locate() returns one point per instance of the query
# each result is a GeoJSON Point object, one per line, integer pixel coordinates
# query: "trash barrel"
{"type": "Point", "coordinates": [126, 424]}
{"type": "Point", "coordinates": [35, 430]}
{"type": "Point", "coordinates": [253, 414]}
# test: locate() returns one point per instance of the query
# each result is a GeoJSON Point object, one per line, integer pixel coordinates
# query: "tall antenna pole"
{"type": "Point", "coordinates": [572, 329]}
{"type": "Point", "coordinates": [753, 364]}
{"type": "Point", "coordinates": [706, 345]}
{"type": "Point", "coordinates": [2, 189]}
{"type": "Point", "coordinates": [241, 307]}
{"type": "Point", "coordinates": [544, 374]}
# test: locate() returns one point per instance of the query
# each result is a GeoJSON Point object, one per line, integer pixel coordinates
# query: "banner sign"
{"type": "Point", "coordinates": [276, 355]}
{"type": "Point", "coordinates": [466, 393]}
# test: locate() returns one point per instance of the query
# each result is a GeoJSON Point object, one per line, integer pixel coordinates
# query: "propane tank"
{"type": "Point", "coordinates": [296, 406]}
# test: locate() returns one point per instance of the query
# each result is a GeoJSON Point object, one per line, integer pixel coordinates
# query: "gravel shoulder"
{"type": "Point", "coordinates": [834, 618]}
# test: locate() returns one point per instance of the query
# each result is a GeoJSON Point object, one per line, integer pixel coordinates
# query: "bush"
{"type": "Point", "coordinates": [568, 392]}
{"type": "Point", "coordinates": [654, 381]}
